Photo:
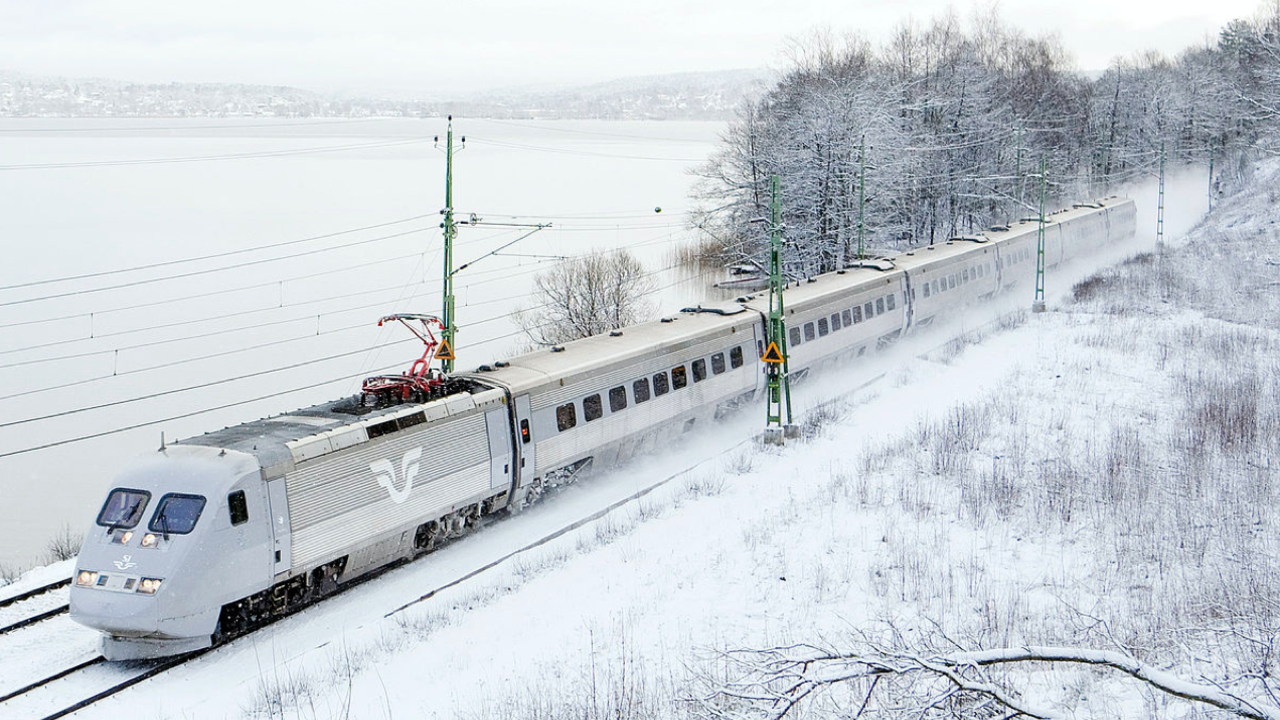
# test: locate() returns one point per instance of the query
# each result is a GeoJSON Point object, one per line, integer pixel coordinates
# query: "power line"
{"type": "Point", "coordinates": [168, 341]}
{"type": "Point", "coordinates": [195, 413]}
{"type": "Point", "coordinates": [182, 416]}
{"type": "Point", "coordinates": [273, 323]}
{"type": "Point", "coordinates": [208, 158]}
{"type": "Point", "coordinates": [582, 153]}
{"type": "Point", "coordinates": [207, 271]}
{"type": "Point", "coordinates": [201, 386]}
{"type": "Point", "coordinates": [214, 293]}
{"type": "Point", "coordinates": [213, 256]}
{"type": "Point", "coordinates": [163, 326]}
{"type": "Point", "coordinates": [270, 283]}
{"type": "Point", "coordinates": [336, 122]}
{"type": "Point", "coordinates": [531, 126]}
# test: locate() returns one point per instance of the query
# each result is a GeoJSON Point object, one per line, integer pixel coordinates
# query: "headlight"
{"type": "Point", "coordinates": [123, 538]}
{"type": "Point", "coordinates": [149, 586]}
{"type": "Point", "coordinates": [86, 578]}
{"type": "Point", "coordinates": [148, 540]}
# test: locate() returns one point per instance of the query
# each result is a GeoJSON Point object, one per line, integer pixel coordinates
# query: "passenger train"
{"type": "Point", "coordinates": [216, 534]}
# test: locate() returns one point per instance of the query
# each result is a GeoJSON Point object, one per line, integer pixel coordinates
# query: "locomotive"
{"type": "Point", "coordinates": [213, 535]}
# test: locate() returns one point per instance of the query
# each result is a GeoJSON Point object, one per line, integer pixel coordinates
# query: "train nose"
{"type": "Point", "coordinates": [115, 612]}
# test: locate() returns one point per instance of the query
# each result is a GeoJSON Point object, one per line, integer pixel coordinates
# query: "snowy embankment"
{"type": "Point", "coordinates": [1097, 476]}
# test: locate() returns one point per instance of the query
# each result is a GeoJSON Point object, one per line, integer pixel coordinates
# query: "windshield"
{"type": "Point", "coordinates": [176, 514]}
{"type": "Point", "coordinates": [123, 508]}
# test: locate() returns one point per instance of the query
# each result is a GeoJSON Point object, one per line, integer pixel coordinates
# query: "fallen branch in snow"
{"type": "Point", "coordinates": [777, 680]}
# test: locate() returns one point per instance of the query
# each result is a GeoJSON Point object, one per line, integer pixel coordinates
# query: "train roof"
{"type": "Point", "coordinates": [597, 353]}
{"type": "Point", "coordinates": [281, 440]}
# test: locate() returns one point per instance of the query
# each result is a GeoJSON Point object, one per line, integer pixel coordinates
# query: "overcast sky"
{"type": "Point", "coordinates": [426, 47]}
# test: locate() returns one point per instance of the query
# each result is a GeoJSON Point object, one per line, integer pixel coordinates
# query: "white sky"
{"type": "Point", "coordinates": [432, 47]}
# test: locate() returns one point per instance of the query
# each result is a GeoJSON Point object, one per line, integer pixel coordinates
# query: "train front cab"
{"type": "Point", "coordinates": [180, 533]}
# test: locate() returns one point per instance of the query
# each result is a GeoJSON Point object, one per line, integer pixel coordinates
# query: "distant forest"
{"type": "Point", "coordinates": [953, 119]}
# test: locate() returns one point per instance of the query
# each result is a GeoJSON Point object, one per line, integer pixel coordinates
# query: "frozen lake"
{"type": "Point", "coordinates": [351, 208]}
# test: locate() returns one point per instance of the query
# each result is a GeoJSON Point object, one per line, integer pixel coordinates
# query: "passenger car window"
{"type": "Point", "coordinates": [926, 289]}
{"type": "Point", "coordinates": [735, 357]}
{"type": "Point", "coordinates": [890, 301]}
{"type": "Point", "coordinates": [176, 514]}
{"type": "Point", "coordinates": [660, 386]}
{"type": "Point", "coordinates": [795, 336]}
{"type": "Point", "coordinates": [238, 507]}
{"type": "Point", "coordinates": [848, 317]}
{"type": "Point", "coordinates": [678, 378]}
{"type": "Point", "coordinates": [699, 370]}
{"type": "Point", "coordinates": [617, 399]}
{"type": "Point", "coordinates": [808, 332]}
{"type": "Point", "coordinates": [869, 311]}
{"type": "Point", "coordinates": [879, 305]}
{"type": "Point", "coordinates": [566, 416]}
{"type": "Point", "coordinates": [717, 363]}
{"type": "Point", "coordinates": [123, 508]}
{"type": "Point", "coordinates": [857, 315]}
{"type": "Point", "coordinates": [592, 408]}
{"type": "Point", "coordinates": [823, 329]}
{"type": "Point", "coordinates": [835, 321]}
{"type": "Point", "coordinates": [640, 389]}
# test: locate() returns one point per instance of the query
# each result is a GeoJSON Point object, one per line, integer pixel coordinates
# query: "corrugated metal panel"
{"type": "Point", "coordinates": [341, 533]}
{"type": "Point", "coordinates": [342, 493]}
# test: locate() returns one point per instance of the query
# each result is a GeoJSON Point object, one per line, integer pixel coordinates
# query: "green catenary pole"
{"type": "Point", "coordinates": [1211, 180]}
{"type": "Point", "coordinates": [1160, 206]}
{"type": "Point", "coordinates": [1017, 176]}
{"type": "Point", "coordinates": [450, 232]}
{"type": "Point", "coordinates": [779, 387]}
{"type": "Point", "coordinates": [862, 190]}
{"type": "Point", "coordinates": [1038, 304]}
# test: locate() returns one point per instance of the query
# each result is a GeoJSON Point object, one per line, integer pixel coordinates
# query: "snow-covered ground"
{"type": "Point", "coordinates": [1096, 476]}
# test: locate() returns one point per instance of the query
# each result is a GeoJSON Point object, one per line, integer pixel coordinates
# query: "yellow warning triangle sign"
{"type": "Point", "coordinates": [446, 350]}
{"type": "Point", "coordinates": [772, 354]}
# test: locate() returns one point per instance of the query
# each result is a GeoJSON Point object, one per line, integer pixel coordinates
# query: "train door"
{"type": "Point", "coordinates": [909, 302]}
{"type": "Point", "coordinates": [500, 451]}
{"type": "Point", "coordinates": [278, 500]}
{"type": "Point", "coordinates": [524, 436]}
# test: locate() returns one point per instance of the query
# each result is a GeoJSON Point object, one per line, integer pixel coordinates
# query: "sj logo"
{"type": "Point", "coordinates": [125, 563]}
{"type": "Point", "coordinates": [386, 474]}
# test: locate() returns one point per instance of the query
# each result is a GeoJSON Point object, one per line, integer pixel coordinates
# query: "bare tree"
{"type": "Point", "coordinates": [883, 680]}
{"type": "Point", "coordinates": [587, 296]}
{"type": "Point", "coordinates": [64, 545]}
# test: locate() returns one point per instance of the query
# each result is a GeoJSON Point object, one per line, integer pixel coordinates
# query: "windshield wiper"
{"type": "Point", "coordinates": [164, 522]}
{"type": "Point", "coordinates": [120, 523]}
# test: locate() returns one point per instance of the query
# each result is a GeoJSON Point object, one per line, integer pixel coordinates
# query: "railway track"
{"type": "Point", "coordinates": [91, 680]}
{"type": "Point", "coordinates": [33, 606]}
{"type": "Point", "coordinates": [20, 597]}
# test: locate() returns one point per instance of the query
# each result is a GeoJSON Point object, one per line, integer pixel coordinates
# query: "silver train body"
{"type": "Point", "coordinates": [248, 522]}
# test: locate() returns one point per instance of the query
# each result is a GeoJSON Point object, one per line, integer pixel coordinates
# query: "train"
{"type": "Point", "coordinates": [213, 535]}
